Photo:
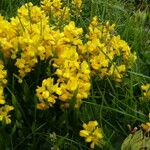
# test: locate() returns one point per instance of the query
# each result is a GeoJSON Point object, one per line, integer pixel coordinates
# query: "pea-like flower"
{"type": "Point", "coordinates": [4, 110]}
{"type": "Point", "coordinates": [47, 93]}
{"type": "Point", "coordinates": [92, 133]}
{"type": "Point", "coordinates": [146, 91]}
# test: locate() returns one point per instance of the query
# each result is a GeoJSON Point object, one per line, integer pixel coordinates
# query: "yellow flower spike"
{"type": "Point", "coordinates": [71, 31]}
{"type": "Point", "coordinates": [102, 49]}
{"type": "Point", "coordinates": [75, 77]}
{"type": "Point", "coordinates": [29, 38]}
{"type": "Point", "coordinates": [46, 93]}
{"type": "Point", "coordinates": [55, 9]}
{"type": "Point", "coordinates": [94, 21]}
{"type": "Point", "coordinates": [73, 74]}
{"type": "Point", "coordinates": [92, 133]}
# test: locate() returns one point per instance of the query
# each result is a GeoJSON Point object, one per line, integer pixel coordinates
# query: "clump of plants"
{"type": "Point", "coordinates": [49, 61]}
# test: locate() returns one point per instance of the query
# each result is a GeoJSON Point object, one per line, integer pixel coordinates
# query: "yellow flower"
{"type": "Point", "coordinates": [74, 77]}
{"type": "Point", "coordinates": [2, 98]}
{"type": "Point", "coordinates": [77, 3]}
{"type": "Point", "coordinates": [146, 91]}
{"type": "Point", "coordinates": [72, 84]}
{"type": "Point", "coordinates": [46, 93]}
{"type": "Point", "coordinates": [104, 50]}
{"type": "Point", "coordinates": [145, 126]}
{"type": "Point", "coordinates": [4, 110]}
{"type": "Point", "coordinates": [3, 75]}
{"type": "Point", "coordinates": [55, 9]}
{"type": "Point", "coordinates": [27, 37]}
{"type": "Point", "coordinates": [92, 133]}
{"type": "Point", "coordinates": [42, 106]}
{"type": "Point", "coordinates": [117, 72]}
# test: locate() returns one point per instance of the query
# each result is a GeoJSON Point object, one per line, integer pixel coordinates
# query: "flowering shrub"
{"type": "Point", "coordinates": [48, 34]}
{"type": "Point", "coordinates": [31, 39]}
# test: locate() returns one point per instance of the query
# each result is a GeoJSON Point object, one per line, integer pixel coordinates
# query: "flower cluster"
{"type": "Point", "coordinates": [4, 109]}
{"type": "Point", "coordinates": [146, 91]}
{"type": "Point", "coordinates": [77, 3]}
{"type": "Point", "coordinates": [33, 35]}
{"type": "Point", "coordinates": [5, 36]}
{"type": "Point", "coordinates": [3, 81]}
{"type": "Point", "coordinates": [108, 54]}
{"type": "Point", "coordinates": [46, 93]}
{"type": "Point", "coordinates": [92, 133]}
{"type": "Point", "coordinates": [34, 39]}
{"type": "Point", "coordinates": [27, 38]}
{"type": "Point", "coordinates": [72, 73]}
{"type": "Point", "coordinates": [55, 9]}
{"type": "Point", "coordinates": [145, 126]}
